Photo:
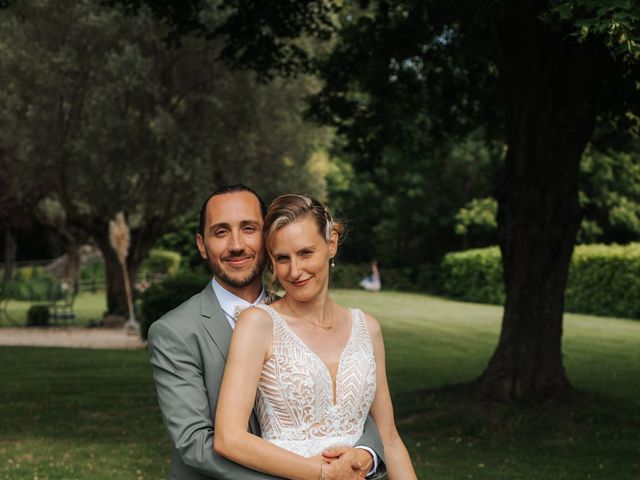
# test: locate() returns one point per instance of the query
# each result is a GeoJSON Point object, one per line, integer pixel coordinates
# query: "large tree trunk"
{"type": "Point", "coordinates": [550, 83]}
{"type": "Point", "coordinates": [116, 296]}
{"type": "Point", "coordinates": [141, 244]}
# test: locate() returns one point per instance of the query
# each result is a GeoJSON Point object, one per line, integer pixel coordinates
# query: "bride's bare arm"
{"type": "Point", "coordinates": [397, 458]}
{"type": "Point", "coordinates": [250, 348]}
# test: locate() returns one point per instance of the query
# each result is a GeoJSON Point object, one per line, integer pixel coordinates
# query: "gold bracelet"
{"type": "Point", "coordinates": [323, 471]}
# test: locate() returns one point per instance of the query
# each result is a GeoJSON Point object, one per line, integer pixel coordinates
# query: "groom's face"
{"type": "Point", "coordinates": [232, 243]}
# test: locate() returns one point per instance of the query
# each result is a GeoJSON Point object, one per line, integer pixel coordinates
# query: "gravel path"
{"type": "Point", "coordinates": [70, 337]}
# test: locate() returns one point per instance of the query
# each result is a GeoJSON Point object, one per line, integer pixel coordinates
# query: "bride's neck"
{"type": "Point", "coordinates": [317, 308]}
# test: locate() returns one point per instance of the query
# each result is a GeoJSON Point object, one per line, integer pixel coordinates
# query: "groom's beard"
{"type": "Point", "coordinates": [234, 278]}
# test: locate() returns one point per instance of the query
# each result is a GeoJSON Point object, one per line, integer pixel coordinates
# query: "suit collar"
{"type": "Point", "coordinates": [214, 321]}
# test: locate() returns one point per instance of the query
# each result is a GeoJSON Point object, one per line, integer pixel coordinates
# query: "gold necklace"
{"type": "Point", "coordinates": [324, 327]}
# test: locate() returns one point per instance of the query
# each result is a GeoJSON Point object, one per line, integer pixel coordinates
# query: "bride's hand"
{"type": "Point", "coordinates": [342, 469]}
{"type": "Point", "coordinates": [321, 459]}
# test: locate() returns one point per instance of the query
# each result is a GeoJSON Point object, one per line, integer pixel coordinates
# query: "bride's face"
{"type": "Point", "coordinates": [301, 258]}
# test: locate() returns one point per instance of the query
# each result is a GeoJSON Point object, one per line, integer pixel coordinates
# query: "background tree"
{"type": "Point", "coordinates": [18, 199]}
{"type": "Point", "coordinates": [538, 75]}
{"type": "Point", "coordinates": [114, 118]}
{"type": "Point", "coordinates": [610, 194]}
{"type": "Point", "coordinates": [523, 71]}
{"type": "Point", "coordinates": [401, 202]}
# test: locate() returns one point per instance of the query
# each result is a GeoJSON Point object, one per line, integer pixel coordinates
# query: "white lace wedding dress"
{"type": "Point", "coordinates": [295, 397]}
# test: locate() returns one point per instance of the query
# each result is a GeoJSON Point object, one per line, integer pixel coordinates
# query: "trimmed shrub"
{"type": "Point", "coordinates": [159, 298]}
{"type": "Point", "coordinates": [421, 278]}
{"type": "Point", "coordinates": [474, 275]}
{"type": "Point", "coordinates": [603, 279]}
{"type": "Point", "coordinates": [35, 286]}
{"type": "Point", "coordinates": [348, 275]}
{"type": "Point", "coordinates": [93, 271]}
{"type": "Point", "coordinates": [161, 261]}
{"type": "Point", "coordinates": [38, 316]}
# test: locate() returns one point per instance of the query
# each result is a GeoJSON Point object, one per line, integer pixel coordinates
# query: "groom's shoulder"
{"type": "Point", "coordinates": [184, 314]}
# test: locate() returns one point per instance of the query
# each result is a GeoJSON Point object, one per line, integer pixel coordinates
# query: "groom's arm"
{"type": "Point", "coordinates": [184, 404]}
{"type": "Point", "coordinates": [371, 439]}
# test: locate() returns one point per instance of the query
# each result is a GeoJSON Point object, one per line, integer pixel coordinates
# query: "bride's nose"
{"type": "Point", "coordinates": [295, 268]}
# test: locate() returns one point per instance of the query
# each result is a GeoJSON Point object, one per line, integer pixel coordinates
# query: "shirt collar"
{"type": "Point", "coordinates": [230, 302]}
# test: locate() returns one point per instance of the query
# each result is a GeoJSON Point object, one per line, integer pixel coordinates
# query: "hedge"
{"type": "Point", "coordinates": [603, 279]}
{"type": "Point", "coordinates": [161, 261]}
{"type": "Point", "coordinates": [38, 316]}
{"type": "Point", "coordinates": [420, 278]}
{"type": "Point", "coordinates": [33, 284]}
{"type": "Point", "coordinates": [474, 275]}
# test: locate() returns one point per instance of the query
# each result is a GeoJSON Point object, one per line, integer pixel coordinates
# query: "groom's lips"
{"type": "Point", "coordinates": [238, 261]}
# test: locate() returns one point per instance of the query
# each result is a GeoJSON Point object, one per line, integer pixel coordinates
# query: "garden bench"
{"type": "Point", "coordinates": [62, 309]}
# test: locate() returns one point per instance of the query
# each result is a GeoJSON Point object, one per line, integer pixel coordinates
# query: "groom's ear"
{"type": "Point", "coordinates": [201, 247]}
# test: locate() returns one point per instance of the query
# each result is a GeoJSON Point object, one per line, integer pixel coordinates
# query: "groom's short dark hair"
{"type": "Point", "coordinates": [236, 187]}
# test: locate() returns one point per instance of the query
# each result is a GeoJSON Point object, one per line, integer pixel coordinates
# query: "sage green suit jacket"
{"type": "Point", "coordinates": [188, 348]}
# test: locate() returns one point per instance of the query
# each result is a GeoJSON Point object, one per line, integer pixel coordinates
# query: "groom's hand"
{"type": "Point", "coordinates": [359, 460]}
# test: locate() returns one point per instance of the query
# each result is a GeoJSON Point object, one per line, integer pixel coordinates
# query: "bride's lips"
{"type": "Point", "coordinates": [301, 283]}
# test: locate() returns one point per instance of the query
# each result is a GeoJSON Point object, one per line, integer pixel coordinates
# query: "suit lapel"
{"type": "Point", "coordinates": [214, 320]}
{"type": "Point", "coordinates": [216, 324]}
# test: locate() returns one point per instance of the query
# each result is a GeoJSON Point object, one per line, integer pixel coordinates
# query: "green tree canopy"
{"type": "Point", "coordinates": [113, 118]}
{"type": "Point", "coordinates": [539, 75]}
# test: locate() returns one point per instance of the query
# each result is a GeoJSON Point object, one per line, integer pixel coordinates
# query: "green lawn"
{"type": "Point", "coordinates": [85, 414]}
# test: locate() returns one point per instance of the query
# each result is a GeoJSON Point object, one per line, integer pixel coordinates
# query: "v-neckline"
{"type": "Point", "coordinates": [333, 381]}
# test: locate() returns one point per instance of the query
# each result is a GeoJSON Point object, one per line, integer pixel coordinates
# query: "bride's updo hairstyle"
{"type": "Point", "coordinates": [291, 207]}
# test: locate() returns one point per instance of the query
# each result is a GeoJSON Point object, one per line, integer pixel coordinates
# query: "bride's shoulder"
{"type": "Point", "coordinates": [256, 318]}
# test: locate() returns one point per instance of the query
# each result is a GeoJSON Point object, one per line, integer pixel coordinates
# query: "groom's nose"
{"type": "Point", "coordinates": [236, 242]}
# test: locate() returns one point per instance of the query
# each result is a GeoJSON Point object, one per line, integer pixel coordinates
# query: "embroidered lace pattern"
{"type": "Point", "coordinates": [295, 397]}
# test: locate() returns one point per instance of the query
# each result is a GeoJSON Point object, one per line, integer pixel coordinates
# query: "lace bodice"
{"type": "Point", "coordinates": [295, 397]}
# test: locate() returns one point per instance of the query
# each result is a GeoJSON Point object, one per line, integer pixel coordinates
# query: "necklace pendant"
{"type": "Point", "coordinates": [329, 327]}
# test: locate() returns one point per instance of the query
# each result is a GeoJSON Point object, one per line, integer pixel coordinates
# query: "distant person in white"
{"type": "Point", "coordinates": [372, 282]}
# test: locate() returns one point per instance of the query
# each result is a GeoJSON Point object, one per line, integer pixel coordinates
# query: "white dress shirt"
{"type": "Point", "coordinates": [231, 304]}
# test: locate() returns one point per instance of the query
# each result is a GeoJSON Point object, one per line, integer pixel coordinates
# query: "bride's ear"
{"type": "Point", "coordinates": [333, 244]}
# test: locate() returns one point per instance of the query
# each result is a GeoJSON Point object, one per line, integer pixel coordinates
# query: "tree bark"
{"type": "Point", "coordinates": [550, 83]}
{"type": "Point", "coordinates": [142, 241]}
{"type": "Point", "coordinates": [116, 296]}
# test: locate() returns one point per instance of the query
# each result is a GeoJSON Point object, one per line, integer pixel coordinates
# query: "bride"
{"type": "Point", "coordinates": [313, 368]}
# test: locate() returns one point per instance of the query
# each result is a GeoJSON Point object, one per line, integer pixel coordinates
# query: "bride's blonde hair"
{"type": "Point", "coordinates": [291, 207]}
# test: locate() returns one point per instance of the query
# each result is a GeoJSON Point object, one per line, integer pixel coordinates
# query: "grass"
{"type": "Point", "coordinates": [433, 342]}
{"type": "Point", "coordinates": [87, 306]}
{"type": "Point", "coordinates": [84, 414]}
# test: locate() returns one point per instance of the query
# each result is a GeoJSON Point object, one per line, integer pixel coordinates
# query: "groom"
{"type": "Point", "coordinates": [189, 345]}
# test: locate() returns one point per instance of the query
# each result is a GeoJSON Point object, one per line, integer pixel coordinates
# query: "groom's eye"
{"type": "Point", "coordinates": [220, 233]}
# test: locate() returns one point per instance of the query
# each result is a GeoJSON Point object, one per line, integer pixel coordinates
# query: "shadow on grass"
{"type": "Point", "coordinates": [579, 436]}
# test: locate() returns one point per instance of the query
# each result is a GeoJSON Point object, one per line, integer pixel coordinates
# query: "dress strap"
{"type": "Point", "coordinates": [360, 328]}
